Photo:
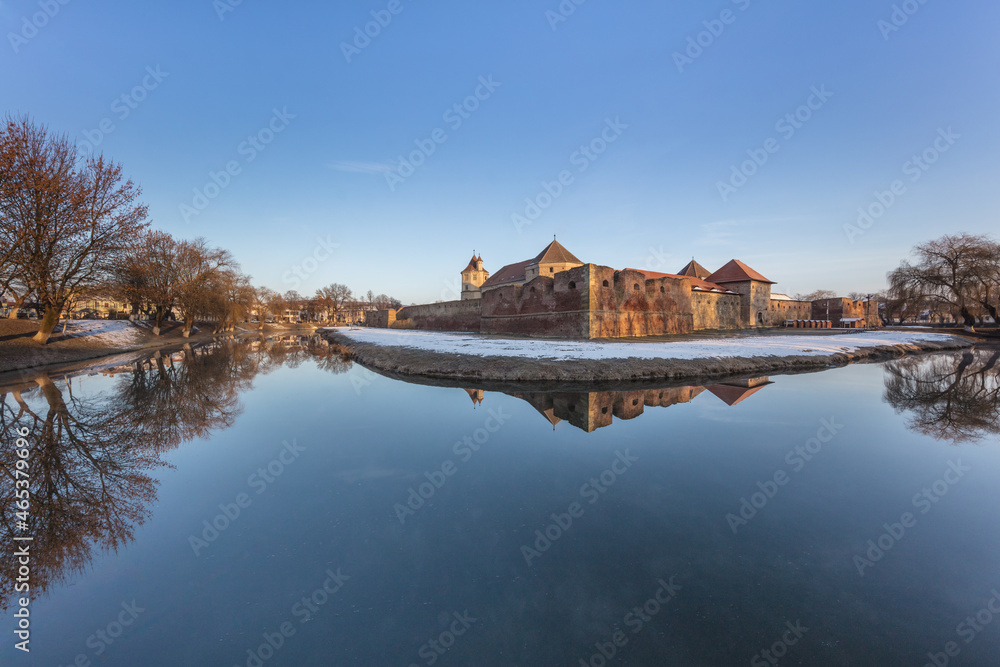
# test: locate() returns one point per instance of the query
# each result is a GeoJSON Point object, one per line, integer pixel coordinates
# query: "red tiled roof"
{"type": "Point", "coordinates": [512, 273]}
{"type": "Point", "coordinates": [736, 272]}
{"type": "Point", "coordinates": [695, 270]}
{"type": "Point", "coordinates": [555, 253]}
{"type": "Point", "coordinates": [472, 264]}
{"type": "Point", "coordinates": [696, 283]}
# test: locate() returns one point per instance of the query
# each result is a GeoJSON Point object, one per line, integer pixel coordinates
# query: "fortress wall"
{"type": "Point", "coordinates": [445, 316]}
{"type": "Point", "coordinates": [790, 310]}
{"type": "Point", "coordinates": [625, 304]}
{"type": "Point", "coordinates": [712, 310]}
{"type": "Point", "coordinates": [553, 307]}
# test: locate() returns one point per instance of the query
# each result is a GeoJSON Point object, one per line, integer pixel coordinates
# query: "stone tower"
{"type": "Point", "coordinates": [473, 277]}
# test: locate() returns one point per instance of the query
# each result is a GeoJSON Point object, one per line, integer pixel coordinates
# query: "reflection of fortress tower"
{"type": "Point", "coordinates": [473, 277]}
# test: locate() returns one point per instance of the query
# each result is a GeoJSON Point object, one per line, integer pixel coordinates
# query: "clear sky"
{"type": "Point", "coordinates": [665, 119]}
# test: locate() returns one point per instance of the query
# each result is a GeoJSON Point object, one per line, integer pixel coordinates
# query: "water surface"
{"type": "Point", "coordinates": [847, 517]}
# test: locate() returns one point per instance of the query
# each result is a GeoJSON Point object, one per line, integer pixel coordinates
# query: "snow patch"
{"type": "Point", "coordinates": [708, 348]}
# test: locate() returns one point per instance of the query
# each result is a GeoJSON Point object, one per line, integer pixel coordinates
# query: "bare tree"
{"type": "Point", "coordinates": [334, 297]}
{"type": "Point", "coordinates": [198, 269]}
{"type": "Point", "coordinates": [946, 275]}
{"type": "Point", "coordinates": [70, 224]}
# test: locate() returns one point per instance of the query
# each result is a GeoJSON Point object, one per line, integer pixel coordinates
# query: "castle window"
{"type": "Point", "coordinates": [662, 290]}
{"type": "Point", "coordinates": [572, 285]}
{"type": "Point", "coordinates": [604, 411]}
{"type": "Point", "coordinates": [552, 270]}
{"type": "Point", "coordinates": [532, 290]}
{"type": "Point", "coordinates": [636, 287]}
{"type": "Point", "coordinates": [635, 402]}
{"type": "Point", "coordinates": [605, 283]}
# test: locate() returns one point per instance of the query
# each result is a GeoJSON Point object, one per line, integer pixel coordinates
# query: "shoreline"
{"type": "Point", "coordinates": [402, 361]}
{"type": "Point", "coordinates": [87, 356]}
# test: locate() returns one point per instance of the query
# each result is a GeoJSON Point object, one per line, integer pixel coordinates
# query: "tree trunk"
{"type": "Point", "coordinates": [970, 321]}
{"type": "Point", "coordinates": [188, 325]}
{"type": "Point", "coordinates": [48, 324]}
{"type": "Point", "coordinates": [159, 320]}
{"type": "Point", "coordinates": [12, 315]}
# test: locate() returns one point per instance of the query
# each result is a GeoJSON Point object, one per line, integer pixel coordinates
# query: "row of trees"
{"type": "Point", "coordinates": [957, 275]}
{"type": "Point", "coordinates": [72, 228]}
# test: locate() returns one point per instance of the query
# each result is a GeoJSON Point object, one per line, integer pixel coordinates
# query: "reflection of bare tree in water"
{"type": "Point", "coordinates": [952, 397]}
{"type": "Point", "coordinates": [88, 480]}
{"type": "Point", "coordinates": [91, 455]}
{"type": "Point", "coordinates": [292, 351]}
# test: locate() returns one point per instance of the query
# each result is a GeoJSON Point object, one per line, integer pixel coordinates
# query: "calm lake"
{"type": "Point", "coordinates": [269, 503]}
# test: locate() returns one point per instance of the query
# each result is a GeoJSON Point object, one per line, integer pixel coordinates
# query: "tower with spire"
{"type": "Point", "coordinates": [473, 277]}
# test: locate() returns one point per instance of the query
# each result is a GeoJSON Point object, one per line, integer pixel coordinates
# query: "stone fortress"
{"type": "Point", "coordinates": [554, 294]}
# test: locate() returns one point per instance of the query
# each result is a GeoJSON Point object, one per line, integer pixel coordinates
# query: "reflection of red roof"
{"type": "Point", "coordinates": [512, 273]}
{"type": "Point", "coordinates": [736, 272]}
{"type": "Point", "coordinates": [696, 283]}
{"type": "Point", "coordinates": [731, 395]}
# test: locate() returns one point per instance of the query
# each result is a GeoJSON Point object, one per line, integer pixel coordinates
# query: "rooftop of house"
{"type": "Point", "coordinates": [554, 253]}
{"type": "Point", "coordinates": [736, 271]}
{"type": "Point", "coordinates": [696, 283]}
{"type": "Point", "coordinates": [695, 270]}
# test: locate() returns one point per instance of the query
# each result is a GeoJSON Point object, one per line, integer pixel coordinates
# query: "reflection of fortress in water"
{"type": "Point", "coordinates": [590, 411]}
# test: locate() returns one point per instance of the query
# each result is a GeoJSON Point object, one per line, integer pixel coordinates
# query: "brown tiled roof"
{"type": "Point", "coordinates": [472, 265]}
{"type": "Point", "coordinates": [736, 272]}
{"type": "Point", "coordinates": [555, 253]}
{"type": "Point", "coordinates": [512, 273]}
{"type": "Point", "coordinates": [696, 283]}
{"type": "Point", "coordinates": [695, 270]}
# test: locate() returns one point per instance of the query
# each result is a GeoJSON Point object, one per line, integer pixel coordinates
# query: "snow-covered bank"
{"type": "Point", "coordinates": [440, 354]}
{"type": "Point", "coordinates": [560, 350]}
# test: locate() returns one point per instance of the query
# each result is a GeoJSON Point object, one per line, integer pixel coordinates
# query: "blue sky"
{"type": "Point", "coordinates": [201, 77]}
